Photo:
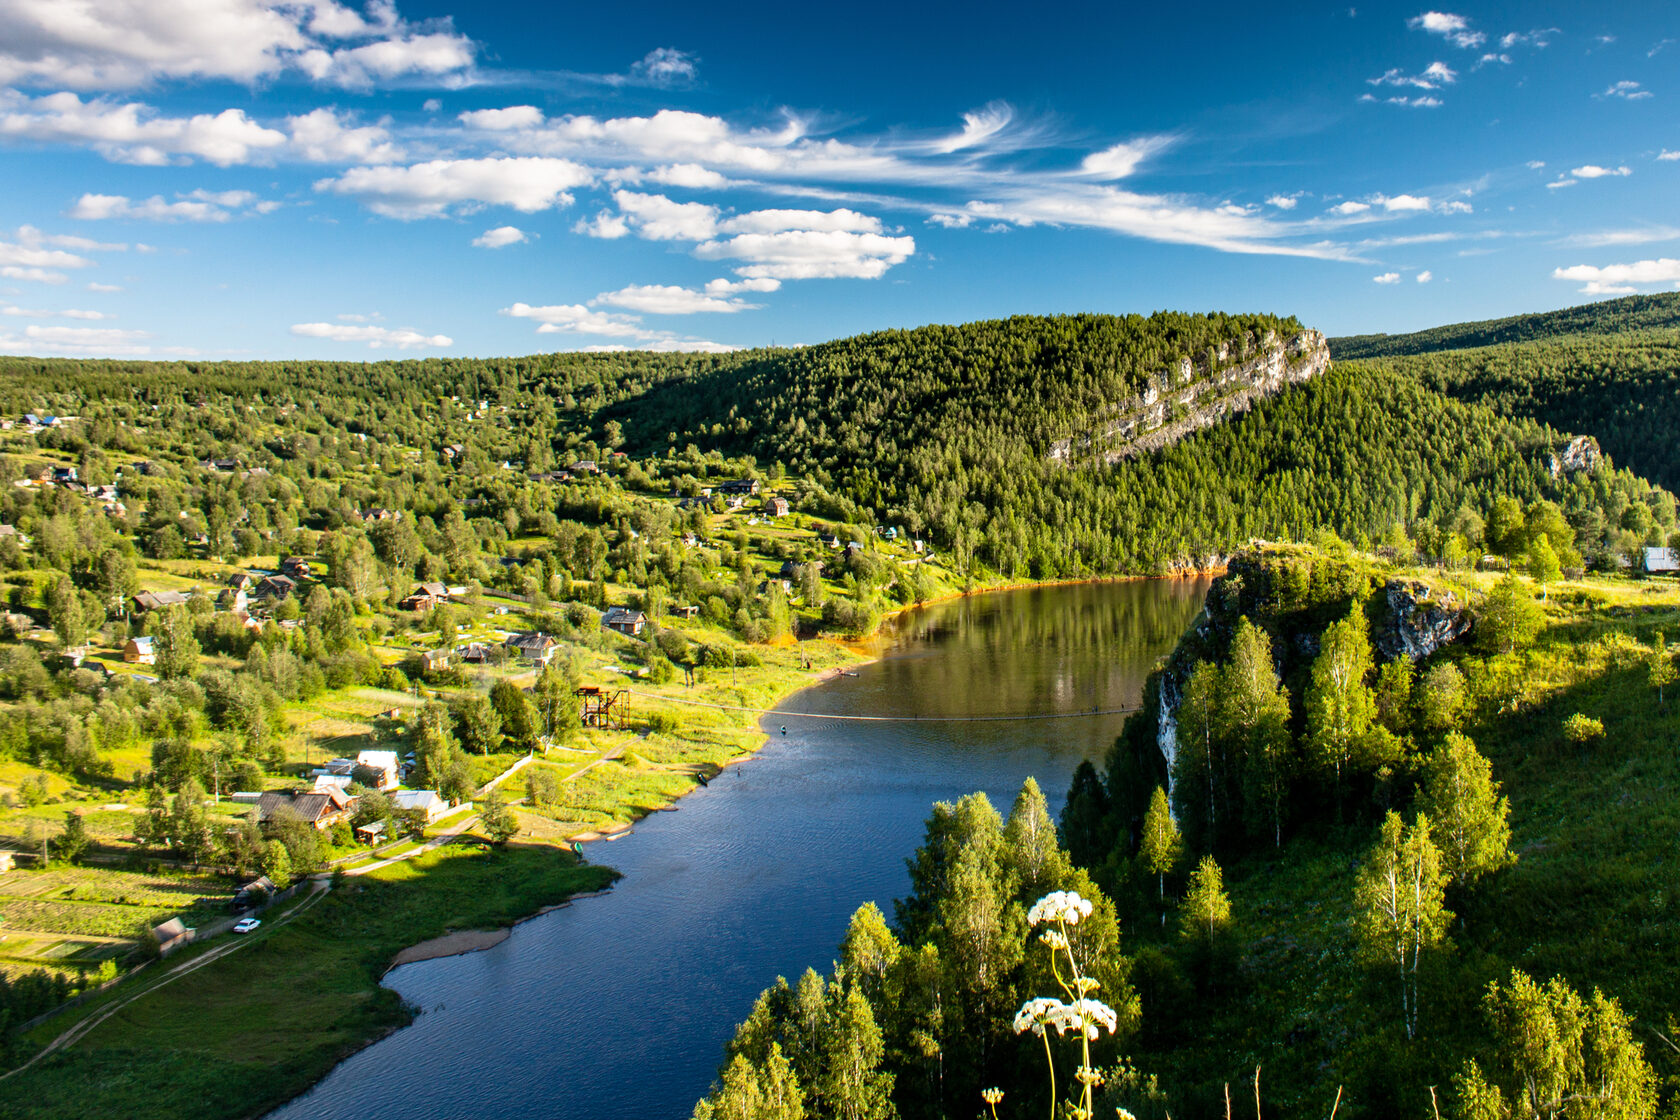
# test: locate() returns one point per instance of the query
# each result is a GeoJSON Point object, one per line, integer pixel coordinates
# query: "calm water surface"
{"type": "Point", "coordinates": [617, 1007]}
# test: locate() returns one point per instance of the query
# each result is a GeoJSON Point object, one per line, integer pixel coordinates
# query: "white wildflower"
{"type": "Point", "coordinates": [1059, 906]}
{"type": "Point", "coordinates": [1035, 1013]}
{"type": "Point", "coordinates": [1054, 938]}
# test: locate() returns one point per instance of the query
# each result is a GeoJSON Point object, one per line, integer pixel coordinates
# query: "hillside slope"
{"type": "Point", "coordinates": [1633, 313]}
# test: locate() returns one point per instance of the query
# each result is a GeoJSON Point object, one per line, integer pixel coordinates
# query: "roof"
{"type": "Point", "coordinates": [142, 645]}
{"type": "Point", "coordinates": [415, 798]}
{"type": "Point", "coordinates": [620, 615]}
{"type": "Point", "coordinates": [378, 760]}
{"type": "Point", "coordinates": [1662, 560]}
{"type": "Point", "coordinates": [153, 600]}
{"type": "Point", "coordinates": [311, 806]}
{"type": "Point", "coordinates": [436, 590]}
{"type": "Point", "coordinates": [170, 930]}
{"type": "Point", "coordinates": [538, 641]}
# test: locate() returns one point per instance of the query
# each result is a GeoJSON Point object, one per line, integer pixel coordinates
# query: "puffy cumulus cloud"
{"type": "Point", "coordinates": [432, 189]}
{"type": "Point", "coordinates": [75, 341]}
{"type": "Point", "coordinates": [668, 299]}
{"type": "Point", "coordinates": [1403, 202]}
{"type": "Point", "coordinates": [510, 119]}
{"type": "Point", "coordinates": [657, 218]}
{"type": "Point", "coordinates": [116, 44]}
{"type": "Point", "coordinates": [1627, 91]}
{"type": "Point", "coordinates": [1425, 276]}
{"type": "Point", "coordinates": [30, 236]}
{"type": "Point", "coordinates": [1621, 279]}
{"type": "Point", "coordinates": [1665, 154]}
{"type": "Point", "coordinates": [810, 254]}
{"type": "Point", "coordinates": [1350, 207]}
{"type": "Point", "coordinates": [1387, 278]}
{"type": "Point", "coordinates": [726, 287]}
{"type": "Point", "coordinates": [195, 206]}
{"type": "Point", "coordinates": [133, 132]}
{"type": "Point", "coordinates": [1120, 160]}
{"type": "Point", "coordinates": [577, 318]}
{"type": "Point", "coordinates": [377, 338]}
{"type": "Point", "coordinates": [665, 67]}
{"type": "Point", "coordinates": [690, 175]}
{"type": "Point", "coordinates": [1455, 29]}
{"type": "Point", "coordinates": [501, 237]}
{"type": "Point", "coordinates": [326, 136]}
{"type": "Point", "coordinates": [1283, 201]}
{"type": "Point", "coordinates": [606, 225]}
{"type": "Point", "coordinates": [1593, 171]}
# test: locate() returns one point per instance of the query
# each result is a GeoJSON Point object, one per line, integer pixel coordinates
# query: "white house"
{"type": "Point", "coordinates": [1662, 561]}
{"type": "Point", "coordinates": [381, 763]}
{"type": "Point", "coordinates": [426, 800]}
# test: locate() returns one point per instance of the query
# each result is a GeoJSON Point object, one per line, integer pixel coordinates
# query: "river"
{"type": "Point", "coordinates": [617, 1007]}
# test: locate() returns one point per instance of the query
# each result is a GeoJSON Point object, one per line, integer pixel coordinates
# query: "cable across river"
{"type": "Point", "coordinates": [1085, 714]}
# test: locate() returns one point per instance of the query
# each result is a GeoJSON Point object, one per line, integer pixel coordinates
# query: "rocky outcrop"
{"type": "Point", "coordinates": [1580, 454]}
{"type": "Point", "coordinates": [1191, 395]}
{"type": "Point", "coordinates": [1420, 621]}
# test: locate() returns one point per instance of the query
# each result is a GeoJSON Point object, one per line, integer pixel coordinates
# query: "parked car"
{"type": "Point", "coordinates": [246, 925]}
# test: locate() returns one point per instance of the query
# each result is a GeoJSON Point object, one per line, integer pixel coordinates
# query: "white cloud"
{"type": "Point", "coordinates": [503, 120]}
{"type": "Point", "coordinates": [1121, 160]}
{"type": "Point", "coordinates": [1540, 38]}
{"type": "Point", "coordinates": [1403, 202]}
{"type": "Point", "coordinates": [1424, 101]}
{"type": "Point", "coordinates": [1437, 74]}
{"type": "Point", "coordinates": [325, 136]}
{"type": "Point", "coordinates": [95, 286]}
{"type": "Point", "coordinates": [400, 338]}
{"type": "Point", "coordinates": [1283, 201]}
{"type": "Point", "coordinates": [22, 260]}
{"type": "Point", "coordinates": [133, 132]}
{"type": "Point", "coordinates": [665, 67]}
{"type": "Point", "coordinates": [777, 221]}
{"type": "Point", "coordinates": [1593, 171]}
{"type": "Point", "coordinates": [42, 313]}
{"type": "Point", "coordinates": [1453, 28]}
{"type": "Point", "coordinates": [1425, 276]}
{"type": "Point", "coordinates": [978, 127]}
{"type": "Point", "coordinates": [575, 318]}
{"type": "Point", "coordinates": [1387, 278]}
{"type": "Point", "coordinates": [657, 218]}
{"type": "Point", "coordinates": [1456, 206]}
{"type": "Point", "coordinates": [1535, 164]}
{"type": "Point", "coordinates": [690, 175]}
{"type": "Point", "coordinates": [1630, 91]}
{"type": "Point", "coordinates": [74, 340]}
{"type": "Point", "coordinates": [665, 299]}
{"type": "Point", "coordinates": [501, 237]}
{"type": "Point", "coordinates": [1620, 279]}
{"type": "Point", "coordinates": [723, 287]}
{"type": "Point", "coordinates": [1668, 155]}
{"type": "Point", "coordinates": [431, 189]}
{"type": "Point", "coordinates": [1643, 236]}
{"type": "Point", "coordinates": [196, 206]}
{"type": "Point", "coordinates": [116, 44]}
{"type": "Point", "coordinates": [605, 225]}
{"type": "Point", "coordinates": [1560, 181]}
{"type": "Point", "coordinates": [1350, 207]}
{"type": "Point", "coordinates": [810, 254]}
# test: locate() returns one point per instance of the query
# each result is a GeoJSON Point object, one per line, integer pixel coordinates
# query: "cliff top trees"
{"type": "Point", "coordinates": [1340, 707]}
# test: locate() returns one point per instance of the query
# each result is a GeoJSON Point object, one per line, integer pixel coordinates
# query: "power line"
{"type": "Point", "coordinates": [1087, 714]}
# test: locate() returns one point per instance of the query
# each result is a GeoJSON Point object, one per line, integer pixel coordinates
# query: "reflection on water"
{"type": "Point", "coordinates": [619, 1006]}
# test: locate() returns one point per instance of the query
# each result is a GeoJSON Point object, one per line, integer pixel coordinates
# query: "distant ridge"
{"type": "Point", "coordinates": [1633, 313]}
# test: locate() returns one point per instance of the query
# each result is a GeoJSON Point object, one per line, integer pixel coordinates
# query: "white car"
{"type": "Point", "coordinates": [246, 925]}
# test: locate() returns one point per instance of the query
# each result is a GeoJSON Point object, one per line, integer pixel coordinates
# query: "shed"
{"type": "Point", "coordinates": [371, 832]}
{"type": "Point", "coordinates": [171, 935]}
{"type": "Point", "coordinates": [426, 800]}
{"type": "Point", "coordinates": [139, 651]}
{"type": "Point", "coordinates": [1662, 561]}
{"type": "Point", "coordinates": [435, 661]}
{"type": "Point", "coordinates": [624, 621]}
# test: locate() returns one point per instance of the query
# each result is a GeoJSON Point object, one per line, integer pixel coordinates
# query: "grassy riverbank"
{"type": "Point", "coordinates": [259, 1026]}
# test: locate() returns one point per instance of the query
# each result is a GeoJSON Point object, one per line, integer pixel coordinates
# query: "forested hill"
{"type": "Point", "coordinates": [946, 432]}
{"type": "Point", "coordinates": [1634, 313]}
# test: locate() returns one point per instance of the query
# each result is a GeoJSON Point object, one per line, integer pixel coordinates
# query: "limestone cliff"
{"type": "Point", "coordinates": [1195, 393]}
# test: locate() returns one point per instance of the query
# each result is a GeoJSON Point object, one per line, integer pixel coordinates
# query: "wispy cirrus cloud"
{"type": "Point", "coordinates": [194, 206]}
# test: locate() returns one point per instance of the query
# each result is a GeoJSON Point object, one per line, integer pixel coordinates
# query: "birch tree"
{"type": "Point", "coordinates": [1399, 905]}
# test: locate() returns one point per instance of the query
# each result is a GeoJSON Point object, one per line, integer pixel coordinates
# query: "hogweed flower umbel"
{"type": "Point", "coordinates": [1081, 1014]}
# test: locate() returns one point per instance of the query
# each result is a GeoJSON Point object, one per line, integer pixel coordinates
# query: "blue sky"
{"type": "Point", "coordinates": [240, 178]}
